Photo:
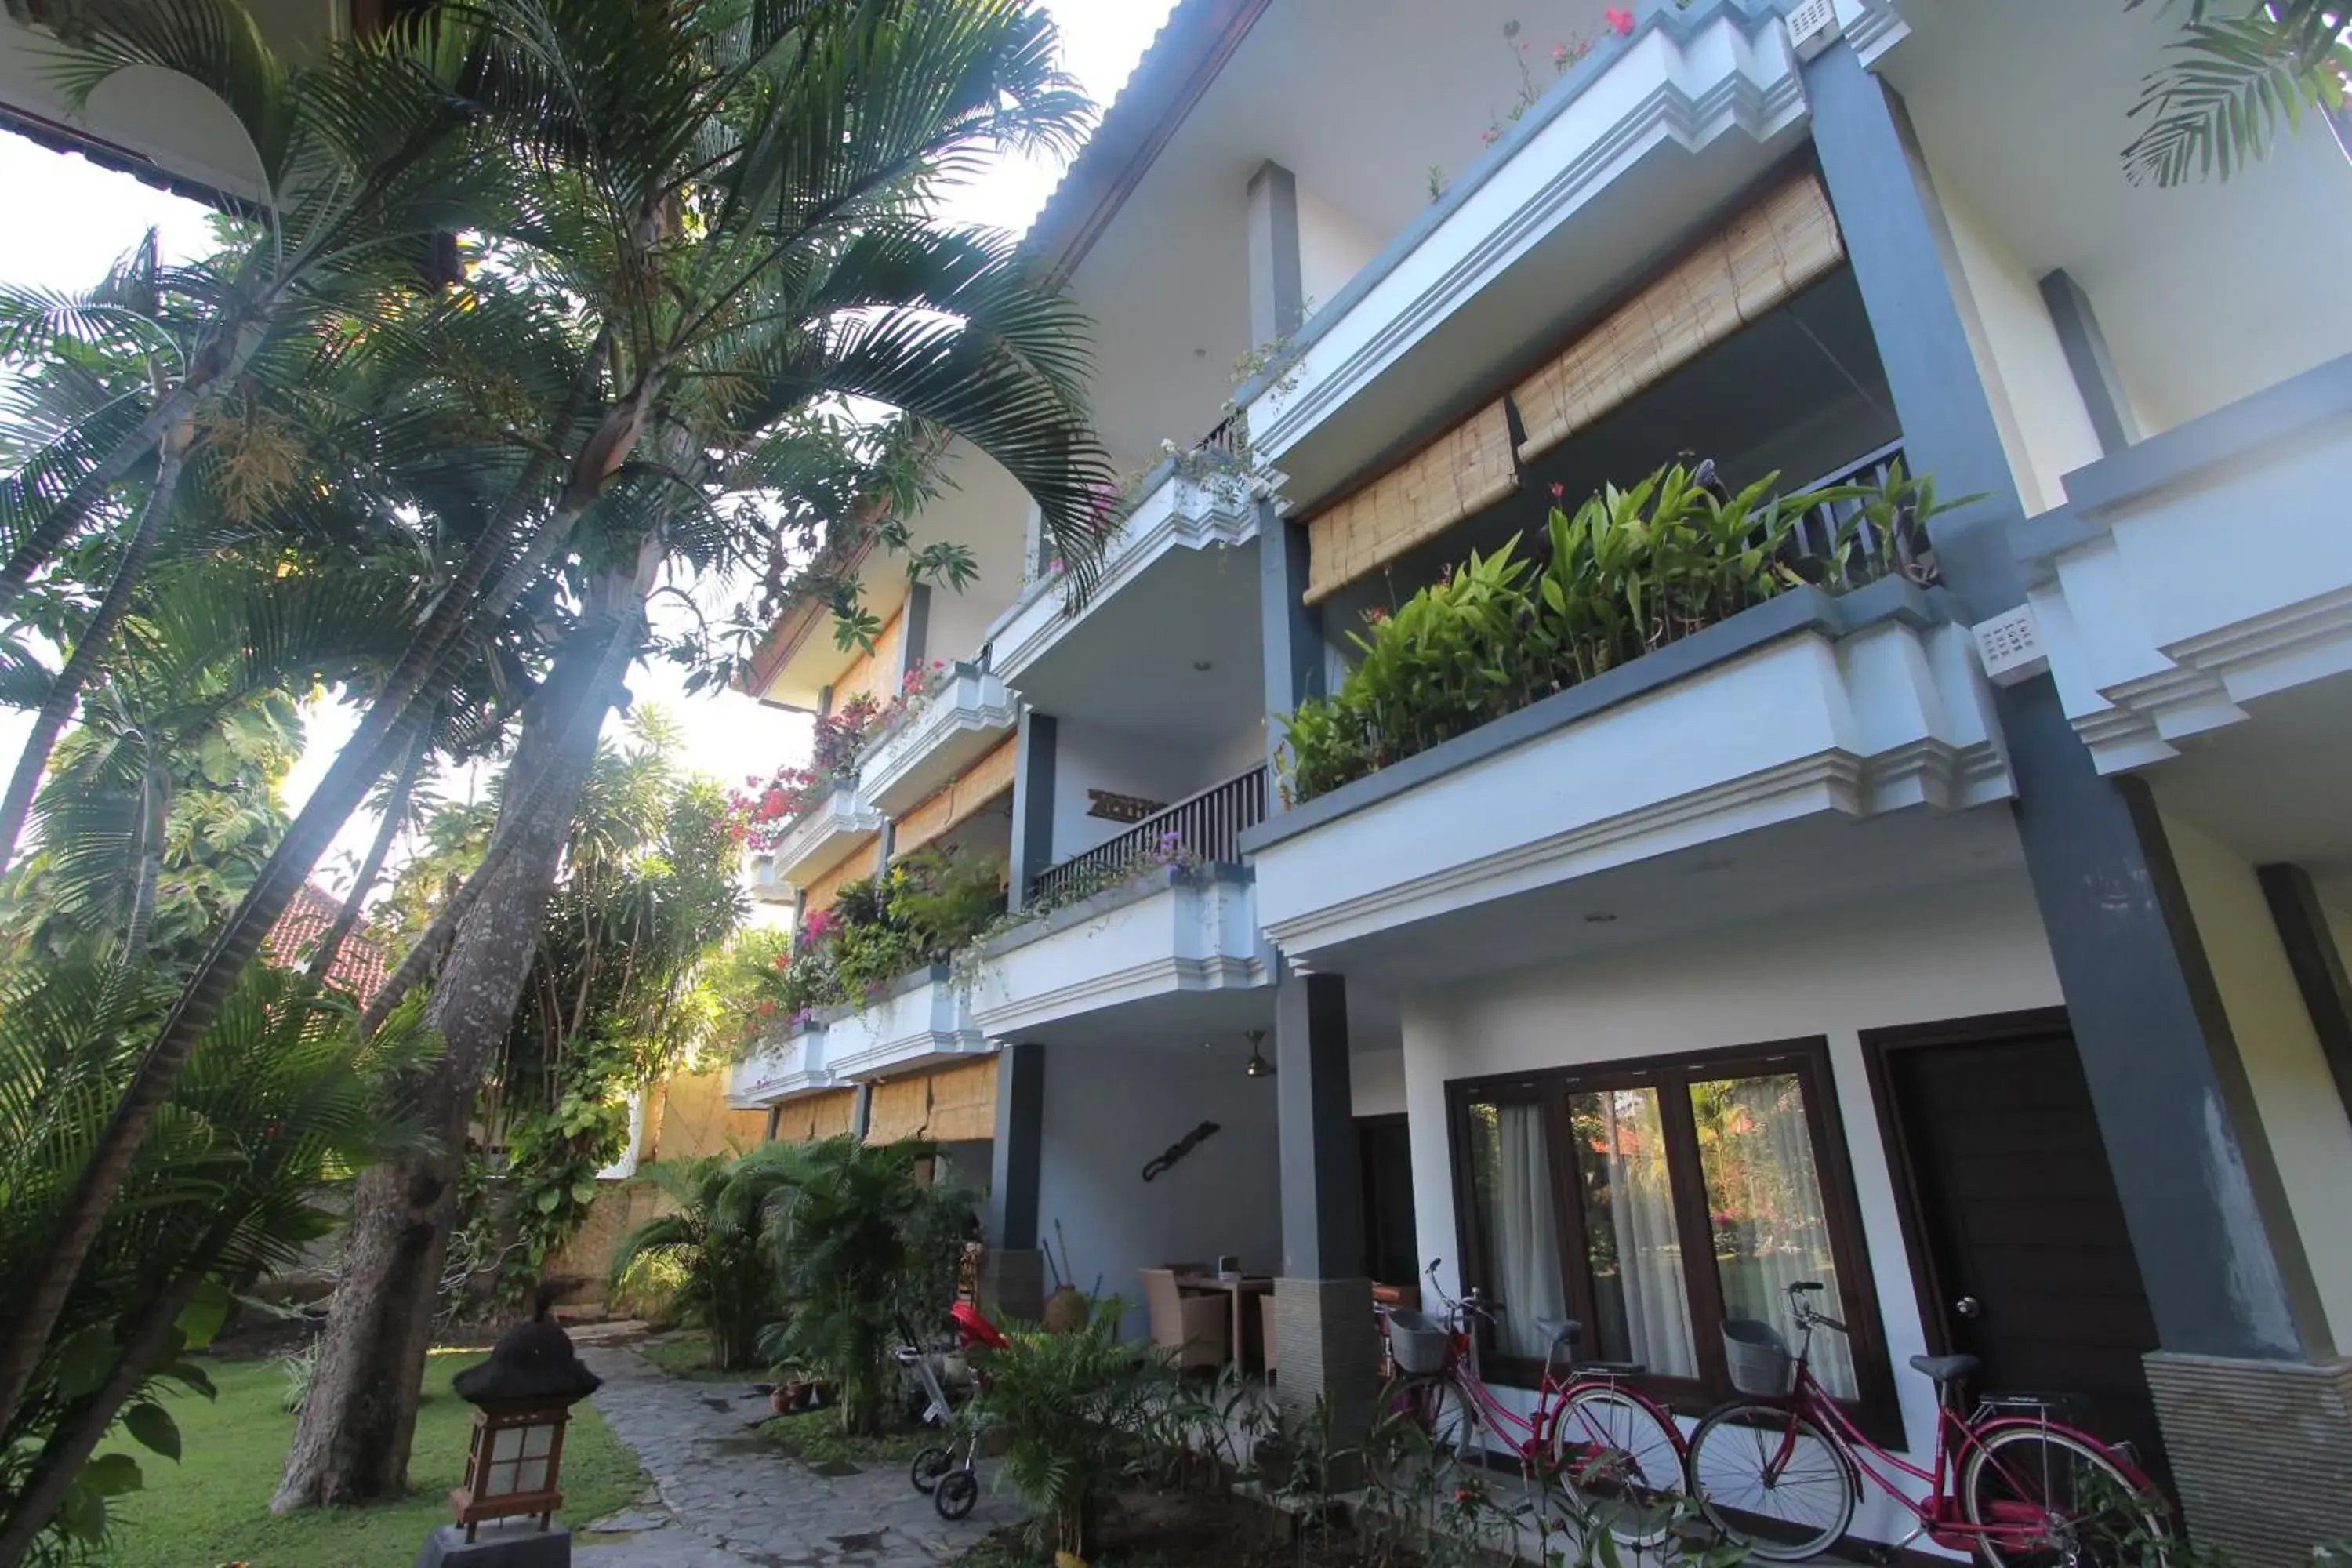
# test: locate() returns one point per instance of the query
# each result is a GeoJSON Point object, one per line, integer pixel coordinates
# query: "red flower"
{"type": "Point", "coordinates": [1621, 21]}
{"type": "Point", "coordinates": [1558, 490]}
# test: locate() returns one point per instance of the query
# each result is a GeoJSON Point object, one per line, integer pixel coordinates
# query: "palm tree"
{"type": "Point", "coordinates": [713, 1238]}
{"type": "Point", "coordinates": [2234, 74]}
{"type": "Point", "coordinates": [739, 193]}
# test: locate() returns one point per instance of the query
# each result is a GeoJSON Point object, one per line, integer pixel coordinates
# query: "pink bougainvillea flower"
{"type": "Point", "coordinates": [1558, 490]}
{"type": "Point", "coordinates": [1621, 21]}
{"type": "Point", "coordinates": [1559, 54]}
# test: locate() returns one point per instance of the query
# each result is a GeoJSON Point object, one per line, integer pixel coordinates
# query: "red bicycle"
{"type": "Point", "coordinates": [1615, 1451]}
{"type": "Point", "coordinates": [1781, 1475]}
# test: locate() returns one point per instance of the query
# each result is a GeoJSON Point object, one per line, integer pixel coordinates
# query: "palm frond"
{"type": "Point", "coordinates": [2230, 85]}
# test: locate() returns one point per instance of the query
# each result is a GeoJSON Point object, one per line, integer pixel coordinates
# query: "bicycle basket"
{"type": "Point", "coordinates": [1759, 1357]}
{"type": "Point", "coordinates": [1417, 1341]}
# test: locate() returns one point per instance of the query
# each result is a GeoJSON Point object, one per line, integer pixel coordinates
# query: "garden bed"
{"type": "Point", "coordinates": [815, 1437]}
{"type": "Point", "coordinates": [213, 1507]}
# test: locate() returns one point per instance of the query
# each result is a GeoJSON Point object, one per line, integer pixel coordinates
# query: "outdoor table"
{"type": "Point", "coordinates": [1240, 1287]}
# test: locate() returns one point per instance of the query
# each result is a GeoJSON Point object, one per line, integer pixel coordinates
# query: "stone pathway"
{"type": "Point", "coordinates": [723, 1497]}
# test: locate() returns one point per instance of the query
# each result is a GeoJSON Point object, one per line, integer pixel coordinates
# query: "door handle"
{"type": "Point", "coordinates": [1968, 1307]}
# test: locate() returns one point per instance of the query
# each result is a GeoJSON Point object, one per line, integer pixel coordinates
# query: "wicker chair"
{"type": "Point", "coordinates": [1194, 1327]}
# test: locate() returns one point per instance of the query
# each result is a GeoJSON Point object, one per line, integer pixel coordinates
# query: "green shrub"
{"type": "Point", "coordinates": [1627, 573]}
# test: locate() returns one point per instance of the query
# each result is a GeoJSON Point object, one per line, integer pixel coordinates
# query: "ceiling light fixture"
{"type": "Point", "coordinates": [1258, 1065]}
{"type": "Point", "coordinates": [1598, 917]}
{"type": "Point", "coordinates": [1204, 665]}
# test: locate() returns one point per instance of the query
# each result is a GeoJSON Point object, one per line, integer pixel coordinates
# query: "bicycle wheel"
{"type": "Point", "coordinates": [957, 1493]}
{"type": "Point", "coordinates": [1771, 1480]}
{"type": "Point", "coordinates": [2045, 1495]}
{"type": "Point", "coordinates": [1619, 1462]}
{"type": "Point", "coordinates": [1426, 1425]}
{"type": "Point", "coordinates": [929, 1466]}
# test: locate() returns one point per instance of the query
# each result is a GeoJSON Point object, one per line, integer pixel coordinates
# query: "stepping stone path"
{"type": "Point", "coordinates": [723, 1497]}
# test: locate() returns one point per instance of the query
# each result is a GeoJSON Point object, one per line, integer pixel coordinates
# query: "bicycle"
{"type": "Point", "coordinates": [1780, 1474]}
{"type": "Point", "coordinates": [1615, 1450]}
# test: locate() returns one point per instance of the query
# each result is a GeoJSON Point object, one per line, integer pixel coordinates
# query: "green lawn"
{"type": "Point", "coordinates": [213, 1506]}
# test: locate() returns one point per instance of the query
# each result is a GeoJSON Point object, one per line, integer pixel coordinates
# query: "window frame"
{"type": "Point", "coordinates": [1874, 1409]}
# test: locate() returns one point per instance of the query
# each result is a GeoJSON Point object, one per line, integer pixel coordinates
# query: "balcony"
{"type": "Point", "coordinates": [1166, 932]}
{"type": "Point", "coordinates": [923, 1018]}
{"type": "Point", "coordinates": [1745, 754]}
{"type": "Point", "coordinates": [1202, 829]}
{"type": "Point", "coordinates": [945, 733]}
{"type": "Point", "coordinates": [2201, 572]}
{"type": "Point", "coordinates": [1601, 176]}
{"type": "Point", "coordinates": [830, 829]}
{"type": "Point", "coordinates": [1174, 513]}
{"type": "Point", "coordinates": [783, 1065]}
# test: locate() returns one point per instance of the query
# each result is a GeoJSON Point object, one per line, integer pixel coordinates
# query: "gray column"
{"type": "Point", "coordinates": [2200, 1189]}
{"type": "Point", "coordinates": [1033, 802]}
{"type": "Point", "coordinates": [1325, 1339]}
{"type": "Point", "coordinates": [2246, 1378]}
{"type": "Point", "coordinates": [914, 638]}
{"type": "Point", "coordinates": [1277, 297]}
{"type": "Point", "coordinates": [1012, 1277]}
{"type": "Point", "coordinates": [2313, 954]}
{"type": "Point", "coordinates": [1290, 629]}
{"type": "Point", "coordinates": [861, 1112]}
{"type": "Point", "coordinates": [2093, 367]}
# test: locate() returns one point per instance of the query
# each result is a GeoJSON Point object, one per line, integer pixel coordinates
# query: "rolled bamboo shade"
{"type": "Point", "coordinates": [963, 1102]}
{"type": "Point", "coordinates": [899, 1109]}
{"type": "Point", "coordinates": [983, 781]}
{"type": "Point", "coordinates": [855, 867]}
{"type": "Point", "coordinates": [1762, 259]}
{"type": "Point", "coordinates": [874, 674]}
{"type": "Point", "coordinates": [815, 1116]}
{"type": "Point", "coordinates": [1468, 469]}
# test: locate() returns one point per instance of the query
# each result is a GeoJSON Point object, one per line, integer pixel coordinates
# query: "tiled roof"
{"type": "Point", "coordinates": [360, 967]}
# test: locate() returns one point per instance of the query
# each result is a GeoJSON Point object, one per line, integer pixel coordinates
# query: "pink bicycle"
{"type": "Point", "coordinates": [1614, 1450]}
{"type": "Point", "coordinates": [1781, 1474]}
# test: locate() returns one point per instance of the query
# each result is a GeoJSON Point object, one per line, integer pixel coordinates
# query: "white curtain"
{"type": "Point", "coordinates": [1649, 1250]}
{"type": "Point", "coordinates": [1766, 1196]}
{"type": "Point", "coordinates": [1527, 1240]}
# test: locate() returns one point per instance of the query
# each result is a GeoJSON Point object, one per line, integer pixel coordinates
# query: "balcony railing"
{"type": "Point", "coordinates": [1207, 826]}
{"type": "Point", "coordinates": [1816, 534]}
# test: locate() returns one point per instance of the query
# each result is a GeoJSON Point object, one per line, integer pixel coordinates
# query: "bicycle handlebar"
{"type": "Point", "coordinates": [1806, 1314]}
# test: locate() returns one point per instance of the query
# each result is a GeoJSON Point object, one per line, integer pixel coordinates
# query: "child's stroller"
{"type": "Point", "coordinates": [954, 1486]}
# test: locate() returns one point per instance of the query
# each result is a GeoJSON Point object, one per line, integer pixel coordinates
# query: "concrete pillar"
{"type": "Point", "coordinates": [2231, 1290]}
{"type": "Point", "coordinates": [914, 639]}
{"type": "Point", "coordinates": [1325, 1338]}
{"type": "Point", "coordinates": [2088, 359]}
{"type": "Point", "coordinates": [1012, 1275]}
{"type": "Point", "coordinates": [861, 1112]}
{"type": "Point", "coordinates": [1033, 802]}
{"type": "Point", "coordinates": [1292, 634]}
{"type": "Point", "coordinates": [1277, 294]}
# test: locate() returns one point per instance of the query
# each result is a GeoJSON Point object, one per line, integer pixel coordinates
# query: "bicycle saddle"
{"type": "Point", "coordinates": [1946, 1368]}
{"type": "Point", "coordinates": [1560, 1330]}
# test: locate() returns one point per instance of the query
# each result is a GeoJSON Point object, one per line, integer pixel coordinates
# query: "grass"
{"type": "Point", "coordinates": [815, 1437]}
{"type": "Point", "coordinates": [688, 1355]}
{"type": "Point", "coordinates": [213, 1507]}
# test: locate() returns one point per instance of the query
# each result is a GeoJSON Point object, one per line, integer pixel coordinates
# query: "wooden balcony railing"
{"type": "Point", "coordinates": [1208, 827]}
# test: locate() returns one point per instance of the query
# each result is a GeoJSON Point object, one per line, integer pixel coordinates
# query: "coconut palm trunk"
{"type": "Point", "coordinates": [395, 816]}
{"type": "Point", "coordinates": [89, 648]}
{"type": "Point", "coordinates": [351, 1445]}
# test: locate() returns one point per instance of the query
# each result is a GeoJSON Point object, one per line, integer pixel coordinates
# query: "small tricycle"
{"type": "Point", "coordinates": [948, 1471]}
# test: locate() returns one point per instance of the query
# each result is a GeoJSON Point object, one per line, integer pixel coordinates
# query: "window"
{"type": "Point", "coordinates": [1650, 1201]}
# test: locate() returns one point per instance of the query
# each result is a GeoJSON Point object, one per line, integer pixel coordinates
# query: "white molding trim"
{"type": "Point", "coordinates": [1873, 27]}
{"type": "Point", "coordinates": [1761, 95]}
{"type": "Point", "coordinates": [922, 1024]}
{"type": "Point", "coordinates": [1181, 939]}
{"type": "Point", "coordinates": [1179, 513]}
{"type": "Point", "coordinates": [844, 815]}
{"type": "Point", "coordinates": [776, 1072]}
{"type": "Point", "coordinates": [972, 704]}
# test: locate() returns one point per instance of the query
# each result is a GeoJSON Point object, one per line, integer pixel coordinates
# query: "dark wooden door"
{"type": "Point", "coordinates": [2027, 1266]}
{"type": "Point", "coordinates": [1390, 1251]}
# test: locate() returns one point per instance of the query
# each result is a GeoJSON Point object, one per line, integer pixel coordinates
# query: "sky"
{"type": "Point", "coordinates": [74, 218]}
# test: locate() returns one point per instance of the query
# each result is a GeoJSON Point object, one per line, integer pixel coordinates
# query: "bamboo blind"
{"type": "Point", "coordinates": [899, 1109]}
{"type": "Point", "coordinates": [1764, 256]}
{"type": "Point", "coordinates": [874, 674]}
{"type": "Point", "coordinates": [1468, 469]}
{"type": "Point", "coordinates": [855, 867]}
{"type": "Point", "coordinates": [981, 784]}
{"type": "Point", "coordinates": [963, 1102]}
{"type": "Point", "coordinates": [815, 1116]}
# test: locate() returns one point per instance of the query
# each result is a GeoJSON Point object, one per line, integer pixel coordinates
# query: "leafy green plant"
{"type": "Point", "coordinates": [1075, 1409]}
{"type": "Point", "coordinates": [1626, 572]}
{"type": "Point", "coordinates": [2231, 78]}
{"type": "Point", "coordinates": [859, 1240]}
{"type": "Point", "coordinates": [726, 1286]}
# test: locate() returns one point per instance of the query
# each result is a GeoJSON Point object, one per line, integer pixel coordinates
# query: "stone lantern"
{"type": "Point", "coordinates": [522, 1398]}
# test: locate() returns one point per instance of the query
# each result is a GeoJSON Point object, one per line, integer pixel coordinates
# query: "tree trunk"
{"type": "Point", "coordinates": [448, 637]}
{"type": "Point", "coordinates": [396, 811]}
{"type": "Point", "coordinates": [89, 648]}
{"type": "Point", "coordinates": [74, 507]}
{"type": "Point", "coordinates": [352, 1444]}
